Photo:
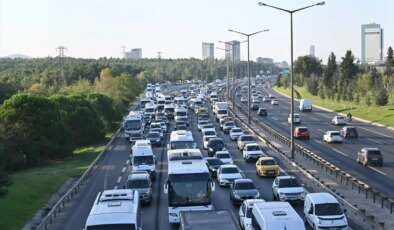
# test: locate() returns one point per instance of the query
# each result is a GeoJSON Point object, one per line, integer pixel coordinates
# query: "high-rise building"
{"type": "Point", "coordinates": [134, 54]}
{"type": "Point", "coordinates": [237, 50]}
{"type": "Point", "coordinates": [371, 43]}
{"type": "Point", "coordinates": [265, 60]}
{"type": "Point", "coordinates": [312, 51]}
{"type": "Point", "coordinates": [208, 50]}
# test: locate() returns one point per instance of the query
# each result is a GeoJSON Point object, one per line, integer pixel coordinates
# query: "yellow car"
{"type": "Point", "coordinates": [267, 166]}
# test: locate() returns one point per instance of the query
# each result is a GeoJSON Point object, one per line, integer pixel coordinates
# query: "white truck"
{"type": "Point", "coordinates": [134, 123]}
{"type": "Point", "coordinates": [220, 109]}
{"type": "Point", "coordinates": [142, 158]}
{"type": "Point", "coordinates": [305, 105]}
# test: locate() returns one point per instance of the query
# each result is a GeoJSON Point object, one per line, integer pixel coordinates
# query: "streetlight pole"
{"type": "Point", "coordinates": [228, 78]}
{"type": "Point", "coordinates": [248, 36]}
{"type": "Point", "coordinates": [291, 66]}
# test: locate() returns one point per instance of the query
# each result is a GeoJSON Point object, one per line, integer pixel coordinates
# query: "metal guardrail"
{"type": "Point", "coordinates": [327, 166]}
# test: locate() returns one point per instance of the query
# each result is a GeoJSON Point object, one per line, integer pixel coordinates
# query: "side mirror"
{"type": "Point", "coordinates": [166, 188]}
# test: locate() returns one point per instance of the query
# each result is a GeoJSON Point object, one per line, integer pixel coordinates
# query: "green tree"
{"type": "Point", "coordinates": [328, 75]}
{"type": "Point", "coordinates": [106, 107]}
{"type": "Point", "coordinates": [307, 65]}
{"type": "Point", "coordinates": [279, 80]}
{"type": "Point", "coordinates": [348, 70]}
{"type": "Point", "coordinates": [382, 96]}
{"type": "Point", "coordinates": [312, 84]}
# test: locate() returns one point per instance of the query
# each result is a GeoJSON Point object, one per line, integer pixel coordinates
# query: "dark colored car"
{"type": "Point", "coordinates": [370, 156]}
{"type": "Point", "coordinates": [141, 182]}
{"type": "Point", "coordinates": [301, 132]}
{"type": "Point", "coordinates": [349, 131]}
{"type": "Point", "coordinates": [242, 189]}
{"type": "Point", "coordinates": [254, 107]}
{"type": "Point", "coordinates": [215, 144]}
{"type": "Point", "coordinates": [213, 164]}
{"type": "Point", "coordinates": [135, 136]}
{"type": "Point", "coordinates": [163, 118]}
{"type": "Point", "coordinates": [147, 118]}
{"type": "Point", "coordinates": [181, 127]}
{"type": "Point", "coordinates": [262, 112]}
{"type": "Point", "coordinates": [154, 138]}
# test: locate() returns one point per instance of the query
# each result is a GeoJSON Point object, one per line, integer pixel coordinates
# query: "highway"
{"type": "Point", "coordinates": [114, 169]}
{"type": "Point", "coordinates": [342, 155]}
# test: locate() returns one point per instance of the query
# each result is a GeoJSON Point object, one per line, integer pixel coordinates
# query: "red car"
{"type": "Point", "coordinates": [301, 132]}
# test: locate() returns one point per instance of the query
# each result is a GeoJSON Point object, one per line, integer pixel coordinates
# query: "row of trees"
{"type": "Point", "coordinates": [347, 81]}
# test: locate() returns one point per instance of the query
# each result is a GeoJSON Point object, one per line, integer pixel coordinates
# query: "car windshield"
{"type": "Point", "coordinates": [133, 125]}
{"type": "Point", "coordinates": [374, 153]}
{"type": "Point", "coordinates": [153, 135]}
{"type": "Point", "coordinates": [181, 113]}
{"type": "Point", "coordinates": [181, 127]}
{"type": "Point", "coordinates": [230, 170]}
{"type": "Point", "coordinates": [229, 123]}
{"type": "Point", "coordinates": [222, 112]}
{"type": "Point", "coordinates": [222, 155]}
{"type": "Point", "coordinates": [215, 161]}
{"type": "Point", "coordinates": [335, 134]}
{"type": "Point", "coordinates": [328, 209]}
{"type": "Point", "coordinates": [268, 162]}
{"type": "Point", "coordinates": [155, 126]}
{"type": "Point", "coordinates": [236, 130]}
{"type": "Point", "coordinates": [209, 133]}
{"type": "Point", "coordinates": [244, 186]}
{"type": "Point", "coordinates": [135, 135]}
{"type": "Point", "coordinates": [137, 184]}
{"type": "Point", "coordinates": [203, 122]}
{"type": "Point", "coordinates": [247, 138]}
{"type": "Point", "coordinates": [253, 148]}
{"type": "Point", "coordinates": [216, 144]}
{"type": "Point", "coordinates": [207, 126]}
{"type": "Point", "coordinates": [288, 183]}
{"type": "Point", "coordinates": [142, 160]}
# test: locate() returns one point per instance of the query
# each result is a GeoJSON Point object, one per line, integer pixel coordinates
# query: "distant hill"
{"type": "Point", "coordinates": [17, 56]}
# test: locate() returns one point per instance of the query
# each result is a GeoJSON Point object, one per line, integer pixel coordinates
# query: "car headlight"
{"type": "Point", "coordinates": [236, 196]}
{"type": "Point", "coordinates": [210, 149]}
{"type": "Point", "coordinates": [248, 225]}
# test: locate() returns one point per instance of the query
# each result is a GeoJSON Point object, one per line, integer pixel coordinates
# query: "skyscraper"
{"type": "Point", "coordinates": [134, 53]}
{"type": "Point", "coordinates": [312, 51]}
{"type": "Point", "coordinates": [237, 50]}
{"type": "Point", "coordinates": [208, 50]}
{"type": "Point", "coordinates": [371, 43]}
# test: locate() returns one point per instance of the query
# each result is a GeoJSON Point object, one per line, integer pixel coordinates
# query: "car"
{"type": "Point", "coordinates": [205, 140]}
{"type": "Point", "coordinates": [163, 126]}
{"type": "Point", "coordinates": [244, 99]}
{"type": "Point", "coordinates": [288, 189]}
{"type": "Point", "coordinates": [224, 120]}
{"type": "Point", "coordinates": [157, 130]}
{"type": "Point", "coordinates": [135, 136]}
{"type": "Point", "coordinates": [267, 166]}
{"type": "Point", "coordinates": [338, 120]}
{"type": "Point", "coordinates": [349, 132]}
{"type": "Point", "coordinates": [254, 106]}
{"type": "Point", "coordinates": [141, 182]}
{"type": "Point", "coordinates": [207, 127]}
{"type": "Point", "coordinates": [155, 125]}
{"type": "Point", "coordinates": [200, 124]}
{"type": "Point", "coordinates": [252, 152]}
{"type": "Point", "coordinates": [180, 123]}
{"type": "Point", "coordinates": [227, 126]}
{"type": "Point", "coordinates": [224, 156]}
{"type": "Point", "coordinates": [235, 133]}
{"type": "Point", "coordinates": [370, 156]}
{"type": "Point", "coordinates": [147, 118]}
{"type": "Point", "coordinates": [242, 189]}
{"type": "Point", "coordinates": [163, 118]}
{"type": "Point", "coordinates": [215, 144]}
{"type": "Point", "coordinates": [274, 102]}
{"type": "Point", "coordinates": [332, 137]}
{"type": "Point", "coordinates": [155, 138]}
{"type": "Point", "coordinates": [213, 164]}
{"type": "Point", "coordinates": [181, 127]}
{"type": "Point", "coordinates": [255, 99]}
{"type": "Point", "coordinates": [271, 96]}
{"type": "Point", "coordinates": [237, 93]}
{"type": "Point", "coordinates": [262, 112]}
{"type": "Point", "coordinates": [266, 99]}
{"type": "Point", "coordinates": [245, 213]}
{"type": "Point", "coordinates": [243, 140]}
{"type": "Point", "coordinates": [208, 132]}
{"type": "Point", "coordinates": [226, 174]}
{"type": "Point", "coordinates": [296, 119]}
{"type": "Point", "coordinates": [301, 133]}
{"type": "Point", "coordinates": [185, 120]}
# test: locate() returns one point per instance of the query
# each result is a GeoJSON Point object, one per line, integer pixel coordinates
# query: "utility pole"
{"type": "Point", "coordinates": [61, 55]}
{"type": "Point", "coordinates": [158, 64]}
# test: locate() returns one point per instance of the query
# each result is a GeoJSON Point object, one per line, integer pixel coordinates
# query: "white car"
{"type": "Point", "coordinates": [338, 120]}
{"type": "Point", "coordinates": [266, 99]}
{"type": "Point", "coordinates": [332, 136]}
{"type": "Point", "coordinates": [271, 96]}
{"type": "Point", "coordinates": [226, 174]}
{"type": "Point", "coordinates": [287, 189]}
{"type": "Point", "coordinates": [224, 156]}
{"type": "Point", "coordinates": [201, 124]}
{"type": "Point", "coordinates": [255, 99]}
{"type": "Point", "coordinates": [235, 133]}
{"type": "Point", "coordinates": [252, 151]}
{"type": "Point", "coordinates": [274, 102]}
{"type": "Point", "coordinates": [245, 213]}
{"type": "Point", "coordinates": [296, 119]}
{"type": "Point", "coordinates": [208, 132]}
{"type": "Point", "coordinates": [243, 99]}
{"type": "Point", "coordinates": [206, 140]}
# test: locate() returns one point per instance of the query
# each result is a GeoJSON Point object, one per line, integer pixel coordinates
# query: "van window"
{"type": "Point", "coordinates": [329, 209]}
{"type": "Point", "coordinates": [142, 160]}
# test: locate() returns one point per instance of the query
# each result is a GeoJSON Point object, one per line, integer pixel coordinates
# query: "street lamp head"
{"type": "Point", "coordinates": [261, 4]}
{"type": "Point", "coordinates": [321, 3]}
{"type": "Point", "coordinates": [230, 30]}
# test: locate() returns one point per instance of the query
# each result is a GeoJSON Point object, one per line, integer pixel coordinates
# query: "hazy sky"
{"type": "Point", "coordinates": [97, 28]}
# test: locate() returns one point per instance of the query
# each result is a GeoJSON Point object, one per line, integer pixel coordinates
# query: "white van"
{"type": "Point", "coordinates": [142, 158]}
{"type": "Point", "coordinates": [305, 105]}
{"type": "Point", "coordinates": [115, 209]}
{"type": "Point", "coordinates": [323, 211]}
{"type": "Point", "coordinates": [275, 216]}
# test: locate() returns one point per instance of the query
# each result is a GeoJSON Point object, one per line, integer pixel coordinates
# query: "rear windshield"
{"type": "Point", "coordinates": [374, 152]}
{"type": "Point", "coordinates": [222, 155]}
{"type": "Point", "coordinates": [244, 186]}
{"type": "Point", "coordinates": [335, 134]}
{"type": "Point", "coordinates": [236, 130]}
{"type": "Point", "coordinates": [247, 138]}
{"type": "Point", "coordinates": [230, 170]}
{"type": "Point", "coordinates": [268, 162]}
{"type": "Point", "coordinates": [302, 129]}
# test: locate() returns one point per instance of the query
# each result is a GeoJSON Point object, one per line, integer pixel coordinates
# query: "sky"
{"type": "Point", "coordinates": [98, 28]}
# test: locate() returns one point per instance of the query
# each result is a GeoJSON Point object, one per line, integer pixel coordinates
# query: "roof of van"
{"type": "Point", "coordinates": [187, 166]}
{"type": "Point", "coordinates": [184, 154]}
{"type": "Point", "coordinates": [278, 215]}
{"type": "Point", "coordinates": [181, 135]}
{"type": "Point", "coordinates": [322, 197]}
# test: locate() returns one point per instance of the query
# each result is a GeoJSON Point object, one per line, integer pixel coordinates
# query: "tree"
{"type": "Point", "coordinates": [106, 107]}
{"type": "Point", "coordinates": [382, 97]}
{"type": "Point", "coordinates": [307, 65]}
{"type": "Point", "coordinates": [348, 70]}
{"type": "Point", "coordinates": [279, 80]}
{"type": "Point", "coordinates": [312, 84]}
{"type": "Point", "coordinates": [328, 75]}
{"type": "Point", "coordinates": [5, 180]}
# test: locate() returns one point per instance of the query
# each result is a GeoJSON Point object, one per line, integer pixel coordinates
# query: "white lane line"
{"type": "Point", "coordinates": [116, 187]}
{"type": "Point", "coordinates": [376, 170]}
{"type": "Point", "coordinates": [314, 118]}
{"type": "Point", "coordinates": [336, 150]}
{"type": "Point", "coordinates": [119, 179]}
{"type": "Point", "coordinates": [275, 118]}
{"type": "Point", "coordinates": [284, 124]}
{"type": "Point", "coordinates": [316, 140]}
{"type": "Point", "coordinates": [323, 115]}
{"type": "Point", "coordinates": [321, 130]}
{"type": "Point", "coordinates": [127, 162]}
{"type": "Point", "coordinates": [347, 141]}
{"type": "Point", "coordinates": [124, 169]}
{"type": "Point", "coordinates": [305, 122]}
{"type": "Point", "coordinates": [375, 141]}
{"type": "Point", "coordinates": [375, 132]}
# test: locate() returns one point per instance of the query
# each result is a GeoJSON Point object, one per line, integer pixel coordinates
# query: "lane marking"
{"type": "Point", "coordinates": [314, 118]}
{"type": "Point", "coordinates": [119, 179]}
{"type": "Point", "coordinates": [127, 162]}
{"type": "Point", "coordinates": [316, 140]}
{"type": "Point", "coordinates": [275, 118]}
{"type": "Point", "coordinates": [376, 170]}
{"type": "Point", "coordinates": [375, 141]}
{"type": "Point", "coordinates": [336, 150]}
{"type": "Point", "coordinates": [375, 132]}
{"type": "Point", "coordinates": [346, 141]}
{"type": "Point", "coordinates": [284, 124]}
{"type": "Point", "coordinates": [323, 115]}
{"type": "Point", "coordinates": [124, 169]}
{"type": "Point", "coordinates": [321, 130]}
